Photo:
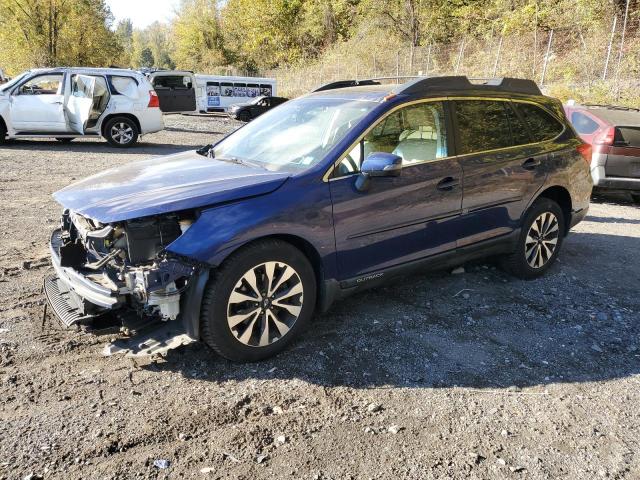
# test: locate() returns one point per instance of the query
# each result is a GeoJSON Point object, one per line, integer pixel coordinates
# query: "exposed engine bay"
{"type": "Point", "coordinates": [121, 266]}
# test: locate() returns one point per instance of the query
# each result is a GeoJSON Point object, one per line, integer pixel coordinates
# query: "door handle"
{"type": "Point", "coordinates": [448, 183]}
{"type": "Point", "coordinates": [531, 164]}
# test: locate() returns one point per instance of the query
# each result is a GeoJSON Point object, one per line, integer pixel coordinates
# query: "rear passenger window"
{"type": "Point", "coordinates": [541, 125]}
{"type": "Point", "coordinates": [583, 124]}
{"type": "Point", "coordinates": [519, 131]}
{"type": "Point", "coordinates": [482, 125]}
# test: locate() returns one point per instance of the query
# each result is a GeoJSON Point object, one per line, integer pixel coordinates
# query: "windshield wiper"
{"type": "Point", "coordinates": [239, 161]}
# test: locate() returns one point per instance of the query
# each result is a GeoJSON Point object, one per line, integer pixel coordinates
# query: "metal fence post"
{"type": "Point", "coordinates": [495, 65]}
{"type": "Point", "coordinates": [624, 31]}
{"type": "Point", "coordinates": [546, 58]}
{"type": "Point", "coordinates": [613, 33]}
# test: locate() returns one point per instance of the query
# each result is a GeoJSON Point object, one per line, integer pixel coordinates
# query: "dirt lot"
{"type": "Point", "coordinates": [473, 375]}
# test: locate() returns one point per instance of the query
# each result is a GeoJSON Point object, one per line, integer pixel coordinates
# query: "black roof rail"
{"type": "Point", "coordinates": [419, 84]}
{"type": "Point", "coordinates": [346, 84]}
{"type": "Point", "coordinates": [458, 82]}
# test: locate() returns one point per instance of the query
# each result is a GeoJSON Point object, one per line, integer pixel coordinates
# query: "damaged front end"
{"type": "Point", "coordinates": [124, 269]}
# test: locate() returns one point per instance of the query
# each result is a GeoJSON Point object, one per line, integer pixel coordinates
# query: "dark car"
{"type": "Point", "coordinates": [256, 107]}
{"type": "Point", "coordinates": [239, 243]}
{"type": "Point", "coordinates": [614, 134]}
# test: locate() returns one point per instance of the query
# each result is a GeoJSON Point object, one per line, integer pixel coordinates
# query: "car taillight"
{"type": "Point", "coordinates": [605, 137]}
{"type": "Point", "coordinates": [585, 150]}
{"type": "Point", "coordinates": [154, 101]}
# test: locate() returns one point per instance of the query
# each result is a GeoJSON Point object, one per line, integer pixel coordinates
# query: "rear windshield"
{"type": "Point", "coordinates": [583, 124]}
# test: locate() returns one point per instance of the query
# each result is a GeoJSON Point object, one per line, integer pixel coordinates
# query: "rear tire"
{"type": "Point", "coordinates": [258, 302]}
{"type": "Point", "coordinates": [3, 132]}
{"type": "Point", "coordinates": [539, 242]}
{"type": "Point", "coordinates": [121, 132]}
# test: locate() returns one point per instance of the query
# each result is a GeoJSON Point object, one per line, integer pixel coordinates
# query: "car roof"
{"type": "Point", "coordinates": [612, 114]}
{"type": "Point", "coordinates": [95, 70]}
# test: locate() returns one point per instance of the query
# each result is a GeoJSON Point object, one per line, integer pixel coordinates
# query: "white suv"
{"type": "Point", "coordinates": [66, 103]}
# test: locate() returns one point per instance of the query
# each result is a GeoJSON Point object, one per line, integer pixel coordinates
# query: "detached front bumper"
{"type": "Point", "coordinates": [73, 295]}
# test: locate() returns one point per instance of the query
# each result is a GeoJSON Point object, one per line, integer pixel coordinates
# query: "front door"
{"type": "Point", "coordinates": [398, 219]}
{"type": "Point", "coordinates": [37, 105]}
{"type": "Point", "coordinates": [503, 167]}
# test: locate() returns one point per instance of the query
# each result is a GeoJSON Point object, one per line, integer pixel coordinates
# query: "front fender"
{"type": "Point", "coordinates": [301, 208]}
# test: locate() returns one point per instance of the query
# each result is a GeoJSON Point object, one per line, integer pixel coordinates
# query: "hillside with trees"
{"type": "Point", "coordinates": [577, 47]}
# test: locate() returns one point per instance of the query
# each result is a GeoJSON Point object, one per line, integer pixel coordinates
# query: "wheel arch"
{"type": "Point", "coordinates": [131, 116]}
{"type": "Point", "coordinates": [300, 243]}
{"type": "Point", "coordinates": [562, 197]}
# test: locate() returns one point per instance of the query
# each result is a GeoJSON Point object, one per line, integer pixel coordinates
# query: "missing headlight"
{"type": "Point", "coordinates": [147, 237]}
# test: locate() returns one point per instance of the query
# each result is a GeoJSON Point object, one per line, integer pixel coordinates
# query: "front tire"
{"type": "Point", "coordinates": [244, 117]}
{"type": "Point", "coordinates": [258, 301]}
{"type": "Point", "coordinates": [3, 132]}
{"type": "Point", "coordinates": [539, 242]}
{"type": "Point", "coordinates": [121, 132]}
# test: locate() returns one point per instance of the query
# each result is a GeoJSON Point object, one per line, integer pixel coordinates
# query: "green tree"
{"type": "Point", "coordinates": [199, 43]}
{"type": "Point", "coordinates": [146, 58]}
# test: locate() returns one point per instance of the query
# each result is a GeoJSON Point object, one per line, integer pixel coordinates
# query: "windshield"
{"type": "Point", "coordinates": [295, 135]}
{"type": "Point", "coordinates": [13, 81]}
{"type": "Point", "coordinates": [255, 100]}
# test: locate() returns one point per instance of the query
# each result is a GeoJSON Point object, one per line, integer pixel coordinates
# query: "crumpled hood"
{"type": "Point", "coordinates": [162, 185]}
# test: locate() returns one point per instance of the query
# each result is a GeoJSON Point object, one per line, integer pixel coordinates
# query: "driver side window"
{"type": "Point", "coordinates": [416, 133]}
{"type": "Point", "coordinates": [42, 85]}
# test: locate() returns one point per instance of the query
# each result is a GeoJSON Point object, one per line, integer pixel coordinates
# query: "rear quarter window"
{"type": "Point", "coordinates": [542, 126]}
{"type": "Point", "coordinates": [123, 85]}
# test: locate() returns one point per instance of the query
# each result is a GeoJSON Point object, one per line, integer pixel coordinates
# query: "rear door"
{"type": "Point", "coordinates": [623, 159]}
{"type": "Point", "coordinates": [79, 101]}
{"type": "Point", "coordinates": [503, 167]}
{"type": "Point", "coordinates": [176, 92]}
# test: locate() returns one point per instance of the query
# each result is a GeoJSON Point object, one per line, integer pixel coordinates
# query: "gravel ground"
{"type": "Point", "coordinates": [473, 375]}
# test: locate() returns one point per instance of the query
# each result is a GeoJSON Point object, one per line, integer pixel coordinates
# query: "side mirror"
{"type": "Point", "coordinates": [378, 164]}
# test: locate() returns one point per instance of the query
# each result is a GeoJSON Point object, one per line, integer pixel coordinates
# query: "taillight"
{"type": "Point", "coordinates": [154, 101]}
{"type": "Point", "coordinates": [605, 136]}
{"type": "Point", "coordinates": [585, 150]}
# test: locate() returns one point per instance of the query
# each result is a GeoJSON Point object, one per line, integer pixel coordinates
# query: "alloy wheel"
{"type": "Point", "coordinates": [122, 133]}
{"type": "Point", "coordinates": [542, 240]}
{"type": "Point", "coordinates": [265, 304]}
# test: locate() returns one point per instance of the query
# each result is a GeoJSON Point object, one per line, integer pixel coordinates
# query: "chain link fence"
{"type": "Point", "coordinates": [601, 66]}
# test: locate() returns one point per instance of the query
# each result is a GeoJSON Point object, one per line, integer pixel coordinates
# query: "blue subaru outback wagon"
{"type": "Point", "coordinates": [238, 243]}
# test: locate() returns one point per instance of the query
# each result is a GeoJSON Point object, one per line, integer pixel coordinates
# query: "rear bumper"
{"type": "Point", "coordinates": [77, 287]}
{"type": "Point", "coordinates": [617, 183]}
